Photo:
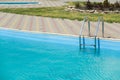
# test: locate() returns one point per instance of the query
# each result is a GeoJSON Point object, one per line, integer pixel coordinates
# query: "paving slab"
{"type": "Point", "coordinates": [54, 25]}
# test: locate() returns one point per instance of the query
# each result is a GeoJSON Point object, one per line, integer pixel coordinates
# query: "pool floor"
{"type": "Point", "coordinates": [37, 56]}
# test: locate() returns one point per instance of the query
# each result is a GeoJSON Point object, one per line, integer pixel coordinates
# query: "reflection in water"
{"type": "Point", "coordinates": [95, 52]}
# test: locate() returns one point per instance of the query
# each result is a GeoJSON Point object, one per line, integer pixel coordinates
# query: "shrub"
{"type": "Point", "coordinates": [95, 5]}
{"type": "Point", "coordinates": [106, 4]}
{"type": "Point", "coordinates": [77, 5]}
{"type": "Point", "coordinates": [100, 6]}
{"type": "Point", "coordinates": [89, 5]}
{"type": "Point", "coordinates": [111, 7]}
{"type": "Point", "coordinates": [117, 4]}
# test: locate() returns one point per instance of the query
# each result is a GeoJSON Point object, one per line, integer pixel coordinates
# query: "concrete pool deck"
{"type": "Point", "coordinates": [43, 3]}
{"type": "Point", "coordinates": [53, 25]}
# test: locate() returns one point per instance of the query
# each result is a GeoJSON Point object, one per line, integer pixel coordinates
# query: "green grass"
{"type": "Point", "coordinates": [59, 12]}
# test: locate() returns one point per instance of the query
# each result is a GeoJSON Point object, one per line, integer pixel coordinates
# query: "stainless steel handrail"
{"type": "Point", "coordinates": [100, 19]}
{"type": "Point", "coordinates": [81, 31]}
{"type": "Point", "coordinates": [83, 25]}
{"type": "Point", "coordinates": [96, 40]}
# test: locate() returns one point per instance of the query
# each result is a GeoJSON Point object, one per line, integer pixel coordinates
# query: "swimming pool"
{"type": "Point", "coordinates": [18, 3]}
{"type": "Point", "coordinates": [37, 56]}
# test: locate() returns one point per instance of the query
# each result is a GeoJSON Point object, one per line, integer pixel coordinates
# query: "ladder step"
{"type": "Point", "coordinates": [88, 44]}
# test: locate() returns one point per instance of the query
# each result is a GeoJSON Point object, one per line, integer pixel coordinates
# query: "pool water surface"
{"type": "Point", "coordinates": [39, 56]}
{"type": "Point", "coordinates": [17, 3]}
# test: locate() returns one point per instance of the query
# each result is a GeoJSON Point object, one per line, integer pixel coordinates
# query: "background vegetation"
{"type": "Point", "coordinates": [59, 12]}
{"type": "Point", "coordinates": [97, 5]}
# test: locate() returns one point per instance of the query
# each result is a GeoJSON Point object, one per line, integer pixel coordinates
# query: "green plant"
{"type": "Point", "coordinates": [100, 6]}
{"type": "Point", "coordinates": [111, 7]}
{"type": "Point", "coordinates": [95, 5]}
{"type": "Point", "coordinates": [77, 5]}
{"type": "Point", "coordinates": [117, 4]}
{"type": "Point", "coordinates": [89, 5]}
{"type": "Point", "coordinates": [59, 12]}
{"type": "Point", "coordinates": [106, 4]}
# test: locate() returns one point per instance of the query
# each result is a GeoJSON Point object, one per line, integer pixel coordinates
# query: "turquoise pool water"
{"type": "Point", "coordinates": [32, 56]}
{"type": "Point", "coordinates": [17, 3]}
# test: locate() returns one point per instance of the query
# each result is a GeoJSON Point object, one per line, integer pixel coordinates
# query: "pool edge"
{"type": "Point", "coordinates": [37, 32]}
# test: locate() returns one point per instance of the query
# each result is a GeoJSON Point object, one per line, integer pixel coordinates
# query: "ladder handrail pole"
{"type": "Point", "coordinates": [88, 28]}
{"type": "Point", "coordinates": [83, 25]}
{"type": "Point", "coordinates": [83, 42]}
{"type": "Point", "coordinates": [100, 19]}
{"type": "Point", "coordinates": [102, 27]}
{"type": "Point", "coordinates": [95, 42]}
{"type": "Point", "coordinates": [98, 43]}
{"type": "Point", "coordinates": [97, 27]}
{"type": "Point", "coordinates": [81, 30]}
{"type": "Point", "coordinates": [80, 34]}
{"type": "Point", "coordinates": [80, 42]}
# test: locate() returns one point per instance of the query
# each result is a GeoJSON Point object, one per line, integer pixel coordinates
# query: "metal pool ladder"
{"type": "Point", "coordinates": [96, 43]}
